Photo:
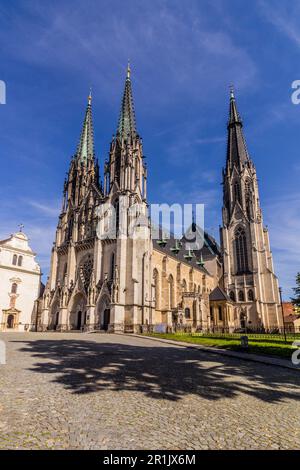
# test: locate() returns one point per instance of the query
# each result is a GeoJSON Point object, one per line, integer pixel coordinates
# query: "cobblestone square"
{"type": "Point", "coordinates": [108, 391]}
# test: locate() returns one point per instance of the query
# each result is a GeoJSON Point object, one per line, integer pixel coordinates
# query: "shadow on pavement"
{"type": "Point", "coordinates": [84, 366]}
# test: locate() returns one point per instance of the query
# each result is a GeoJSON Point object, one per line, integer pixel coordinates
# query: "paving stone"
{"type": "Point", "coordinates": [90, 391]}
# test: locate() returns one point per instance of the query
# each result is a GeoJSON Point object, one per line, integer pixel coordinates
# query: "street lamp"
{"type": "Point", "coordinates": [284, 332]}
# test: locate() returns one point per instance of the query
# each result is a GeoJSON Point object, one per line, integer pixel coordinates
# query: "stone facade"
{"type": "Point", "coordinates": [20, 283]}
{"type": "Point", "coordinates": [108, 273]}
{"type": "Point", "coordinates": [249, 276]}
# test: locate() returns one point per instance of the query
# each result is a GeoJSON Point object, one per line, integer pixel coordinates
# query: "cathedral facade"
{"type": "Point", "coordinates": [109, 273]}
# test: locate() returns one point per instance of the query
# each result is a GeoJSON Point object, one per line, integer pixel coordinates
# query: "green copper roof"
{"type": "Point", "coordinates": [127, 116]}
{"type": "Point", "coordinates": [85, 147]}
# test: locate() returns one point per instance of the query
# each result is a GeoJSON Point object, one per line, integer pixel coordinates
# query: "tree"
{"type": "Point", "coordinates": [296, 300]}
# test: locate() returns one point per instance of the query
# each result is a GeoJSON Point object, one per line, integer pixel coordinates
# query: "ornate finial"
{"type": "Point", "coordinates": [231, 91]}
{"type": "Point", "coordinates": [90, 96]}
{"type": "Point", "coordinates": [128, 69]}
{"type": "Point", "coordinates": [21, 226]}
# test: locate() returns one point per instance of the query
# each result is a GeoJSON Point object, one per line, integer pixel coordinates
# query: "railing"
{"type": "Point", "coordinates": [275, 332]}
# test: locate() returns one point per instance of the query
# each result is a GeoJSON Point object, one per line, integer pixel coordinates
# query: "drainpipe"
{"type": "Point", "coordinates": [143, 289]}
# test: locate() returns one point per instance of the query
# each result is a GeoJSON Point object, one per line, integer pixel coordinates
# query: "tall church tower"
{"type": "Point", "coordinates": [249, 277]}
{"type": "Point", "coordinates": [66, 296]}
{"type": "Point", "coordinates": [125, 190]}
{"type": "Point", "coordinates": [100, 267]}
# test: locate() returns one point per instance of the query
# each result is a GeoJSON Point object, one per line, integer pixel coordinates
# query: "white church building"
{"type": "Point", "coordinates": [20, 281]}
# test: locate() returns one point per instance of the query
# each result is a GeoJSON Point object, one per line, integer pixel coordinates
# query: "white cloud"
{"type": "Point", "coordinates": [286, 20]}
{"type": "Point", "coordinates": [45, 209]}
{"type": "Point", "coordinates": [184, 54]}
{"type": "Point", "coordinates": [39, 225]}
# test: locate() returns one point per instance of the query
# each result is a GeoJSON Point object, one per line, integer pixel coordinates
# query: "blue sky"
{"type": "Point", "coordinates": [184, 56]}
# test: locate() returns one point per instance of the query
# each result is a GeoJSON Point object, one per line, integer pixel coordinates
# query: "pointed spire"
{"type": "Point", "coordinates": [128, 70]}
{"type": "Point", "coordinates": [127, 123]}
{"type": "Point", "coordinates": [234, 117]}
{"type": "Point", "coordinates": [85, 149]}
{"type": "Point", "coordinates": [237, 152]}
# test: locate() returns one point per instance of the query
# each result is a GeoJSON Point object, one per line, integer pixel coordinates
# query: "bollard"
{"type": "Point", "coordinates": [244, 342]}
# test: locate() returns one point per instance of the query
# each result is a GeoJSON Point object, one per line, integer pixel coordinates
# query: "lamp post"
{"type": "Point", "coordinates": [284, 332]}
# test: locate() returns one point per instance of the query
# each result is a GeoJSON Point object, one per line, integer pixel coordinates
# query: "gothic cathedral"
{"type": "Point", "coordinates": [107, 280]}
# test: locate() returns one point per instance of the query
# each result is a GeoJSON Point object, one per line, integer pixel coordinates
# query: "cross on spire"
{"type": "Point", "coordinates": [128, 69]}
{"type": "Point", "coordinates": [21, 226]}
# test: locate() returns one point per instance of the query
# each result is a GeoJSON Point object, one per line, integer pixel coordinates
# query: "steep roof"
{"type": "Point", "coordinates": [219, 294]}
{"type": "Point", "coordinates": [195, 258]}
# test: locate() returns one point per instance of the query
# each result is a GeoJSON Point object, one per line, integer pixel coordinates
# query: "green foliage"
{"type": "Point", "coordinates": [296, 300]}
{"type": "Point", "coordinates": [272, 347]}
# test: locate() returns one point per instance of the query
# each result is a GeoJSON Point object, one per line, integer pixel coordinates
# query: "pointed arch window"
{"type": "Point", "coordinates": [220, 313]}
{"type": "Point", "coordinates": [250, 295]}
{"type": "Point", "coordinates": [156, 288]}
{"type": "Point", "coordinates": [117, 216]}
{"type": "Point", "coordinates": [187, 313]}
{"type": "Point", "coordinates": [112, 266]}
{"type": "Point", "coordinates": [232, 296]}
{"type": "Point", "coordinates": [241, 253]}
{"type": "Point", "coordinates": [241, 296]}
{"type": "Point", "coordinates": [237, 192]}
{"type": "Point", "coordinates": [171, 292]}
{"type": "Point", "coordinates": [248, 195]}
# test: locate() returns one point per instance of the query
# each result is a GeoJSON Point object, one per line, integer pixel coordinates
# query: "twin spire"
{"type": "Point", "coordinates": [236, 147]}
{"type": "Point", "coordinates": [126, 124]}
{"type": "Point", "coordinates": [86, 149]}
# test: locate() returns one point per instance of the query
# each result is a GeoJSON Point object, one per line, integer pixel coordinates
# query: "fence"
{"type": "Point", "coordinates": [225, 332]}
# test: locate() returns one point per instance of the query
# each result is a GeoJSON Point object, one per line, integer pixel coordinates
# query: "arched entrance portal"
{"type": "Point", "coordinates": [79, 319]}
{"type": "Point", "coordinates": [106, 319]}
{"type": "Point", "coordinates": [10, 321]}
{"type": "Point", "coordinates": [78, 315]}
{"type": "Point", "coordinates": [103, 313]}
{"type": "Point", "coordinates": [56, 320]}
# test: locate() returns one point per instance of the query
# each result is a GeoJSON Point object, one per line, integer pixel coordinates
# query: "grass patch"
{"type": "Point", "coordinates": [271, 347]}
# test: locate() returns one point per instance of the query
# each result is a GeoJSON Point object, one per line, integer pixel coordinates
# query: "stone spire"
{"type": "Point", "coordinates": [85, 149]}
{"type": "Point", "coordinates": [127, 123]}
{"type": "Point", "coordinates": [237, 154]}
{"type": "Point", "coordinates": [248, 273]}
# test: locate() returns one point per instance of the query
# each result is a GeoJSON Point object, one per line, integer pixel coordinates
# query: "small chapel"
{"type": "Point", "coordinates": [20, 277]}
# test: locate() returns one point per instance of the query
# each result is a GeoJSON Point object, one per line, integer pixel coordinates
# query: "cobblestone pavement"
{"type": "Point", "coordinates": [102, 391]}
